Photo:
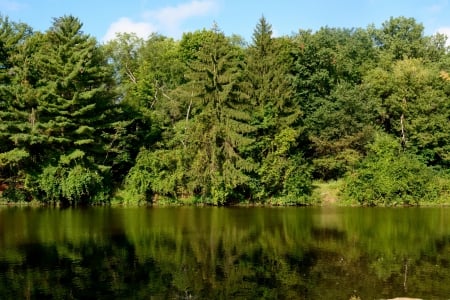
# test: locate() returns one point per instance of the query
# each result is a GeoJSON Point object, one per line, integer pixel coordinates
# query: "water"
{"type": "Point", "coordinates": [224, 253]}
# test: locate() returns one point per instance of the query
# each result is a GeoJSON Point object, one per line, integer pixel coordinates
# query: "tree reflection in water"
{"type": "Point", "coordinates": [224, 253]}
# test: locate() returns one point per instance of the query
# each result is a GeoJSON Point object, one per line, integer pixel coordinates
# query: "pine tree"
{"type": "Point", "coordinates": [276, 115]}
{"type": "Point", "coordinates": [219, 124]}
{"type": "Point", "coordinates": [64, 114]}
{"type": "Point", "coordinates": [12, 156]}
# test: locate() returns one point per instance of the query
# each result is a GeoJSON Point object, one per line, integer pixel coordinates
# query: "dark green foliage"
{"type": "Point", "coordinates": [73, 116]}
{"type": "Point", "coordinates": [326, 58]}
{"type": "Point", "coordinates": [340, 128]}
{"type": "Point", "coordinates": [61, 114]}
{"type": "Point", "coordinates": [219, 126]}
{"type": "Point", "coordinates": [277, 119]}
{"type": "Point", "coordinates": [338, 115]}
{"type": "Point", "coordinates": [12, 35]}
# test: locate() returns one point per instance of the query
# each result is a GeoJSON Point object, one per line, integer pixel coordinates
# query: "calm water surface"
{"type": "Point", "coordinates": [224, 253]}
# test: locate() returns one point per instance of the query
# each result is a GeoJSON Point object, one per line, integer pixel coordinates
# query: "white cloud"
{"type": "Point", "coordinates": [170, 18]}
{"type": "Point", "coordinates": [141, 29]}
{"type": "Point", "coordinates": [446, 31]}
{"type": "Point", "coordinates": [167, 20]}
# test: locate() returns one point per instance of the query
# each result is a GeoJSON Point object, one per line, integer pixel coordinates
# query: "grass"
{"type": "Point", "coordinates": [328, 192]}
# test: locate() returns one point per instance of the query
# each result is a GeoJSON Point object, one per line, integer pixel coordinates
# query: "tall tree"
{"type": "Point", "coordinates": [400, 38]}
{"type": "Point", "coordinates": [124, 54]}
{"type": "Point", "coordinates": [219, 126]}
{"type": "Point", "coordinates": [200, 154]}
{"type": "Point", "coordinates": [12, 158]}
{"type": "Point", "coordinates": [147, 72]}
{"type": "Point", "coordinates": [328, 67]}
{"type": "Point", "coordinates": [161, 71]}
{"type": "Point", "coordinates": [276, 115]}
{"type": "Point", "coordinates": [412, 105]}
{"type": "Point", "coordinates": [66, 100]}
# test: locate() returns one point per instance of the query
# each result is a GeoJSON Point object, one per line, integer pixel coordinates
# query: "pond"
{"type": "Point", "coordinates": [224, 253]}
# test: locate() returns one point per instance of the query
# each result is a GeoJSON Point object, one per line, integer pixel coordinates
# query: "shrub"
{"type": "Point", "coordinates": [391, 176]}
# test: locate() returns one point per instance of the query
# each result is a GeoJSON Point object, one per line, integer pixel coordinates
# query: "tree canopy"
{"type": "Point", "coordinates": [213, 119]}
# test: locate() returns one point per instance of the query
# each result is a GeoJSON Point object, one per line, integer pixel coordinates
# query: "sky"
{"type": "Point", "coordinates": [104, 18]}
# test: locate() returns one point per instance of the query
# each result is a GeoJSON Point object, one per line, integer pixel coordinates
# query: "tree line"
{"type": "Point", "coordinates": [214, 119]}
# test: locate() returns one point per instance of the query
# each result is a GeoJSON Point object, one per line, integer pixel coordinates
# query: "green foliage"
{"type": "Point", "coordinates": [285, 180]}
{"type": "Point", "coordinates": [400, 38]}
{"type": "Point", "coordinates": [338, 116]}
{"type": "Point", "coordinates": [59, 107]}
{"type": "Point", "coordinates": [339, 130]}
{"type": "Point", "coordinates": [124, 55]}
{"type": "Point", "coordinates": [13, 158]}
{"type": "Point", "coordinates": [14, 194]}
{"type": "Point", "coordinates": [211, 119]}
{"type": "Point", "coordinates": [326, 58]}
{"type": "Point", "coordinates": [297, 184]}
{"type": "Point", "coordinates": [71, 185]}
{"type": "Point", "coordinates": [283, 176]}
{"type": "Point", "coordinates": [155, 174]}
{"type": "Point", "coordinates": [411, 106]}
{"type": "Point", "coordinates": [219, 127]}
{"type": "Point", "coordinates": [390, 176]}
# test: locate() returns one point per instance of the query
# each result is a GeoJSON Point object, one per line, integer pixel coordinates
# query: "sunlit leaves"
{"type": "Point", "coordinates": [13, 157]}
{"type": "Point", "coordinates": [389, 176]}
{"type": "Point", "coordinates": [412, 106]}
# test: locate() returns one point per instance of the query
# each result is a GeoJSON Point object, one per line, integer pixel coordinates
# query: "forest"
{"type": "Point", "coordinates": [215, 119]}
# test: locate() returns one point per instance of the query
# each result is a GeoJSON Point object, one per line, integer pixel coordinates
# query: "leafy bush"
{"type": "Point", "coordinates": [14, 194]}
{"type": "Point", "coordinates": [75, 184]}
{"type": "Point", "coordinates": [74, 180]}
{"type": "Point", "coordinates": [155, 173]}
{"type": "Point", "coordinates": [391, 176]}
{"type": "Point", "coordinates": [287, 180]}
{"type": "Point", "coordinates": [297, 185]}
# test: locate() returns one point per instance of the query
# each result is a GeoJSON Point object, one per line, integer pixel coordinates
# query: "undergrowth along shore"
{"type": "Point", "coordinates": [325, 193]}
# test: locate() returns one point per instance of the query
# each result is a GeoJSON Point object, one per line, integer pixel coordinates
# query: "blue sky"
{"type": "Point", "coordinates": [102, 18]}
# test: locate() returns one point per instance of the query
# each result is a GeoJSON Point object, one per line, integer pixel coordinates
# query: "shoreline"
{"type": "Point", "coordinates": [325, 194]}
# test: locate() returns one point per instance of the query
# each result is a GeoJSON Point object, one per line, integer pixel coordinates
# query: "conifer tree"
{"type": "Point", "coordinates": [12, 156]}
{"type": "Point", "coordinates": [65, 107]}
{"type": "Point", "coordinates": [219, 126]}
{"type": "Point", "coordinates": [276, 116]}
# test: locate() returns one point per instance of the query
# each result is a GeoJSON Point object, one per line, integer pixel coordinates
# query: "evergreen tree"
{"type": "Point", "coordinates": [276, 116]}
{"type": "Point", "coordinates": [12, 156]}
{"type": "Point", "coordinates": [65, 105]}
{"type": "Point", "coordinates": [77, 111]}
{"type": "Point", "coordinates": [200, 151]}
{"type": "Point", "coordinates": [219, 126]}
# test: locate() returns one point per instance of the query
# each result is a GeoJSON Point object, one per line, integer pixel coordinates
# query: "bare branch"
{"type": "Point", "coordinates": [130, 74]}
